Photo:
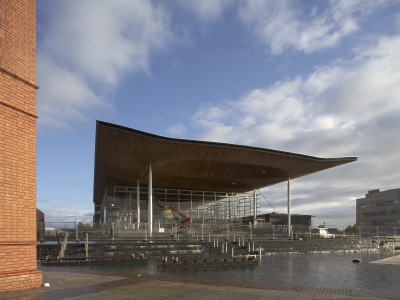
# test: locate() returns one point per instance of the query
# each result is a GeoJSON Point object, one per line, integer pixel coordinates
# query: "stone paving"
{"type": "Point", "coordinates": [73, 284]}
{"type": "Point", "coordinates": [394, 260]}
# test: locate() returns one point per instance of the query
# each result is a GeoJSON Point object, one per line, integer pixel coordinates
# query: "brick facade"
{"type": "Point", "coordinates": [18, 268]}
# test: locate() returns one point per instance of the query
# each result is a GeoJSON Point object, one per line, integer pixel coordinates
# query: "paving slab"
{"type": "Point", "coordinates": [78, 284]}
{"type": "Point", "coordinates": [394, 260]}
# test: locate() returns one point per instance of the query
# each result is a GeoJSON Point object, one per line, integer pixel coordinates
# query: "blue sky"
{"type": "Point", "coordinates": [313, 77]}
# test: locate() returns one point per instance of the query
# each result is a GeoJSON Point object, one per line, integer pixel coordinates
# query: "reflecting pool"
{"type": "Point", "coordinates": [322, 270]}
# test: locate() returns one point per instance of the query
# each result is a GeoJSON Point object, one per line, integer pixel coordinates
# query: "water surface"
{"type": "Point", "coordinates": [322, 270]}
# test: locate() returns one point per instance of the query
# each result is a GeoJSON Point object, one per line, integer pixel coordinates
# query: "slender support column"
{"type": "Point", "coordinates": [215, 208]}
{"type": "Point", "coordinates": [138, 203]}
{"type": "Point", "coordinates": [202, 209]}
{"type": "Point", "coordinates": [76, 231]}
{"type": "Point", "coordinates": [129, 195]}
{"type": "Point", "coordinates": [288, 209]}
{"type": "Point", "coordinates": [150, 207]}
{"type": "Point", "coordinates": [191, 205]}
{"type": "Point", "coordinates": [125, 211]}
{"type": "Point", "coordinates": [255, 207]}
{"type": "Point", "coordinates": [230, 210]}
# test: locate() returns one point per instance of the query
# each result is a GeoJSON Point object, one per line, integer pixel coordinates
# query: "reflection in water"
{"type": "Point", "coordinates": [324, 270]}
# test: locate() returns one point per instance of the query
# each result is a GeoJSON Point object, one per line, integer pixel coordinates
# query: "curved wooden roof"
{"type": "Point", "coordinates": [122, 157]}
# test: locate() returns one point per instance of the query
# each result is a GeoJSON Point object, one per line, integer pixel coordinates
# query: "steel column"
{"type": "Point", "coordinates": [150, 204]}
{"type": "Point", "coordinates": [215, 208]}
{"type": "Point", "coordinates": [138, 203]}
{"type": "Point", "coordinates": [288, 209]}
{"type": "Point", "coordinates": [255, 207]}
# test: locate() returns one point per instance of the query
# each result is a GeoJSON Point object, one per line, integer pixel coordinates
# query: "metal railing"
{"type": "Point", "coordinates": [79, 231]}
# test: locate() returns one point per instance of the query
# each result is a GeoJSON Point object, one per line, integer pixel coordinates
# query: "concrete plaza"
{"type": "Point", "coordinates": [77, 284]}
{"type": "Point", "coordinates": [106, 285]}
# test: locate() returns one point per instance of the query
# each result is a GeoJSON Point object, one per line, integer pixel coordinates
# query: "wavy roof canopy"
{"type": "Point", "coordinates": [122, 157]}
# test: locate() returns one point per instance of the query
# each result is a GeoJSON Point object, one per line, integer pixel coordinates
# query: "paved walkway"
{"type": "Point", "coordinates": [73, 284]}
{"type": "Point", "coordinates": [394, 260]}
{"type": "Point", "coordinates": [78, 284]}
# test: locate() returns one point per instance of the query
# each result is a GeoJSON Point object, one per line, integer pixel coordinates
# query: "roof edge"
{"type": "Point", "coordinates": [219, 144]}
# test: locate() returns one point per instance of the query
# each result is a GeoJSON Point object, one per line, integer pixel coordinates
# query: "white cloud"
{"type": "Point", "coordinates": [206, 10]}
{"type": "Point", "coordinates": [177, 130]}
{"type": "Point", "coordinates": [284, 25]}
{"type": "Point", "coordinates": [65, 95]}
{"type": "Point", "coordinates": [87, 47]}
{"type": "Point", "coordinates": [342, 109]}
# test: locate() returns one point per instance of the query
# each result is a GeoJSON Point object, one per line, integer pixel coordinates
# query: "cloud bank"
{"type": "Point", "coordinates": [345, 108]}
{"type": "Point", "coordinates": [85, 49]}
{"type": "Point", "coordinates": [287, 25]}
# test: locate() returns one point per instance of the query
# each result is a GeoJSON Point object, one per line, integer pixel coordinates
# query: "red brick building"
{"type": "Point", "coordinates": [18, 268]}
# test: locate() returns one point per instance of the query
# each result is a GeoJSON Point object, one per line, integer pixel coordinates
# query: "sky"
{"type": "Point", "coordinates": [320, 78]}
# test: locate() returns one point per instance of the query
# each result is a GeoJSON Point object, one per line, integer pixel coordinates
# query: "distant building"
{"type": "Point", "coordinates": [50, 231]}
{"type": "Point", "coordinates": [85, 227]}
{"type": "Point", "coordinates": [379, 208]}
{"type": "Point", "coordinates": [282, 219]}
{"type": "Point", "coordinates": [40, 226]}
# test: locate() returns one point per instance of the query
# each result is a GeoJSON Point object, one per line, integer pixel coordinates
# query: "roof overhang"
{"type": "Point", "coordinates": [122, 157]}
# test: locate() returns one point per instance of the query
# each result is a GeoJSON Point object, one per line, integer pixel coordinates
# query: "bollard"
{"type": "Point", "coordinates": [260, 253]}
{"type": "Point", "coordinates": [87, 246]}
{"type": "Point", "coordinates": [253, 246]}
{"type": "Point", "coordinates": [234, 236]}
{"type": "Point", "coordinates": [214, 242]}
{"type": "Point", "coordinates": [223, 248]}
{"type": "Point", "coordinates": [232, 251]}
{"type": "Point", "coordinates": [217, 241]}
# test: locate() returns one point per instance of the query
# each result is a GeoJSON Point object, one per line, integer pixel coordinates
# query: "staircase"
{"type": "Point", "coordinates": [124, 249]}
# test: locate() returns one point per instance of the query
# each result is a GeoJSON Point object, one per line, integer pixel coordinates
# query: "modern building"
{"type": "Point", "coordinates": [281, 219]}
{"type": "Point", "coordinates": [40, 225]}
{"type": "Point", "coordinates": [50, 232]}
{"type": "Point", "coordinates": [141, 179]}
{"type": "Point", "coordinates": [297, 221]}
{"type": "Point", "coordinates": [379, 209]}
{"type": "Point", "coordinates": [18, 268]}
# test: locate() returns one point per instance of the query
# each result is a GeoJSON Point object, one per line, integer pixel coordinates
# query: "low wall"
{"type": "Point", "coordinates": [209, 249]}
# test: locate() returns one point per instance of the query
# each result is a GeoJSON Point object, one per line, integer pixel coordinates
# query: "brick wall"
{"type": "Point", "coordinates": [18, 145]}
